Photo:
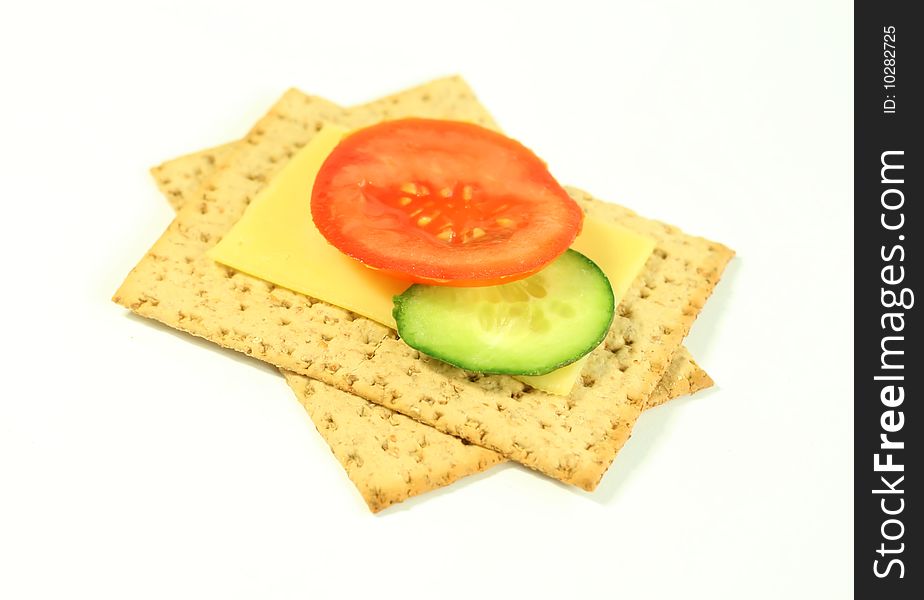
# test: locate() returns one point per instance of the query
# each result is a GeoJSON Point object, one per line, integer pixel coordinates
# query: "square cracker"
{"type": "Point", "coordinates": [572, 438]}
{"type": "Point", "coordinates": [388, 456]}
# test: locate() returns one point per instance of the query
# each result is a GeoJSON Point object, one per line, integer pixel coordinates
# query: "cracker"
{"type": "Point", "coordinates": [683, 376]}
{"type": "Point", "coordinates": [388, 456]}
{"type": "Point", "coordinates": [572, 438]}
{"type": "Point", "coordinates": [180, 178]}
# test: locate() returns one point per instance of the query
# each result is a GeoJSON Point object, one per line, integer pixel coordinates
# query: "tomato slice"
{"type": "Point", "coordinates": [442, 202]}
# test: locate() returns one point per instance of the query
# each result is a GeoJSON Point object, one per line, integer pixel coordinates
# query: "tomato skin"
{"type": "Point", "coordinates": [442, 203]}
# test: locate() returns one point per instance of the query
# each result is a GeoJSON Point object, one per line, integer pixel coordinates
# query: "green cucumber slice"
{"type": "Point", "coordinates": [527, 327]}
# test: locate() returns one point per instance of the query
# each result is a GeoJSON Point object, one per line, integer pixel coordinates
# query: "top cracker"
{"type": "Point", "coordinates": [573, 438]}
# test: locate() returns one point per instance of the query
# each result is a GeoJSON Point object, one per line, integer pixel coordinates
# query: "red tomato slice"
{"type": "Point", "coordinates": [442, 202]}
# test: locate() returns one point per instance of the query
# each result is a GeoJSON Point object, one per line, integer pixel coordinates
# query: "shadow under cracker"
{"type": "Point", "coordinates": [648, 434]}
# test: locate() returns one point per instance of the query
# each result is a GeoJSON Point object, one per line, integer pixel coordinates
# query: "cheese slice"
{"type": "Point", "coordinates": [277, 241]}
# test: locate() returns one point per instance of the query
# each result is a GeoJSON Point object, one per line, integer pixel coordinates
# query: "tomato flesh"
{"type": "Point", "coordinates": [442, 202]}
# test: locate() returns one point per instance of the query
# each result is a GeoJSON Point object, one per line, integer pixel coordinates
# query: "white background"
{"type": "Point", "coordinates": [140, 463]}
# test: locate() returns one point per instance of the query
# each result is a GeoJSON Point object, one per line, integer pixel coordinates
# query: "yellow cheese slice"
{"type": "Point", "coordinates": [277, 241]}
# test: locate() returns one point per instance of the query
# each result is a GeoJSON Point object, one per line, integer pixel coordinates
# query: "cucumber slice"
{"type": "Point", "coordinates": [527, 327]}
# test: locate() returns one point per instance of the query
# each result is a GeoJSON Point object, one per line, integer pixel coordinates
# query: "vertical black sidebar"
{"type": "Point", "coordinates": [888, 369]}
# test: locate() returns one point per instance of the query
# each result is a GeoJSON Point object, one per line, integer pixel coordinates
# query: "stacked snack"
{"type": "Point", "coordinates": [244, 266]}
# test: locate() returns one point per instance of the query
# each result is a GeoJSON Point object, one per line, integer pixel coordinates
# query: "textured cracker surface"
{"type": "Point", "coordinates": [572, 438]}
{"type": "Point", "coordinates": [388, 456]}
{"type": "Point", "coordinates": [180, 178]}
{"type": "Point", "coordinates": [683, 376]}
